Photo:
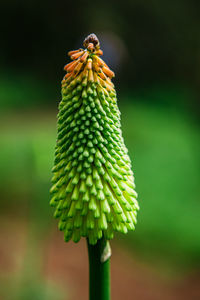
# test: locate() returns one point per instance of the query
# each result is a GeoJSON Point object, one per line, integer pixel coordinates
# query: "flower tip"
{"type": "Point", "coordinates": [91, 42]}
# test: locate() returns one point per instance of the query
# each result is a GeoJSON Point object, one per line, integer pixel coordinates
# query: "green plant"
{"type": "Point", "coordinates": [93, 185]}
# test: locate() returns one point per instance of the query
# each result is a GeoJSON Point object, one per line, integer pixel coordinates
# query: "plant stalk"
{"type": "Point", "coordinates": [99, 270]}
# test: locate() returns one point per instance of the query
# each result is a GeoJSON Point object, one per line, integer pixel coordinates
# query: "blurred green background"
{"type": "Point", "coordinates": [154, 49]}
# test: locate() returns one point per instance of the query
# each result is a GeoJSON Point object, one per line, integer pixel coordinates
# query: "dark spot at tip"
{"type": "Point", "coordinates": [91, 38]}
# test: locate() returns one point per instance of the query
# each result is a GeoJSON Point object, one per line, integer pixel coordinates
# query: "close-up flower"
{"type": "Point", "coordinates": [93, 188]}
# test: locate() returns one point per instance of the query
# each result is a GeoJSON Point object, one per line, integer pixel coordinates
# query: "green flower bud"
{"type": "Point", "coordinates": [93, 188]}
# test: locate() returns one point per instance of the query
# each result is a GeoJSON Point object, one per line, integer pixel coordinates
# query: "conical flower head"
{"type": "Point", "coordinates": [93, 184]}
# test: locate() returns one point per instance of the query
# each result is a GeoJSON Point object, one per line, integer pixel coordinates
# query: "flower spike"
{"type": "Point", "coordinates": [93, 189]}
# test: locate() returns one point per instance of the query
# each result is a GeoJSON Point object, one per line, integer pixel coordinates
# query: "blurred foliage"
{"type": "Point", "coordinates": [22, 90]}
{"type": "Point", "coordinates": [31, 289]}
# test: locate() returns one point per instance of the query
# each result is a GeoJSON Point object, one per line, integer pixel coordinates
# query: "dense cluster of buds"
{"type": "Point", "coordinates": [93, 188]}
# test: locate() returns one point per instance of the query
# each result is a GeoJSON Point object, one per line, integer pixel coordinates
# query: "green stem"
{"type": "Point", "coordinates": [99, 270]}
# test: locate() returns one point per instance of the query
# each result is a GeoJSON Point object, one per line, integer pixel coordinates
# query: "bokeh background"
{"type": "Point", "coordinates": [154, 49]}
